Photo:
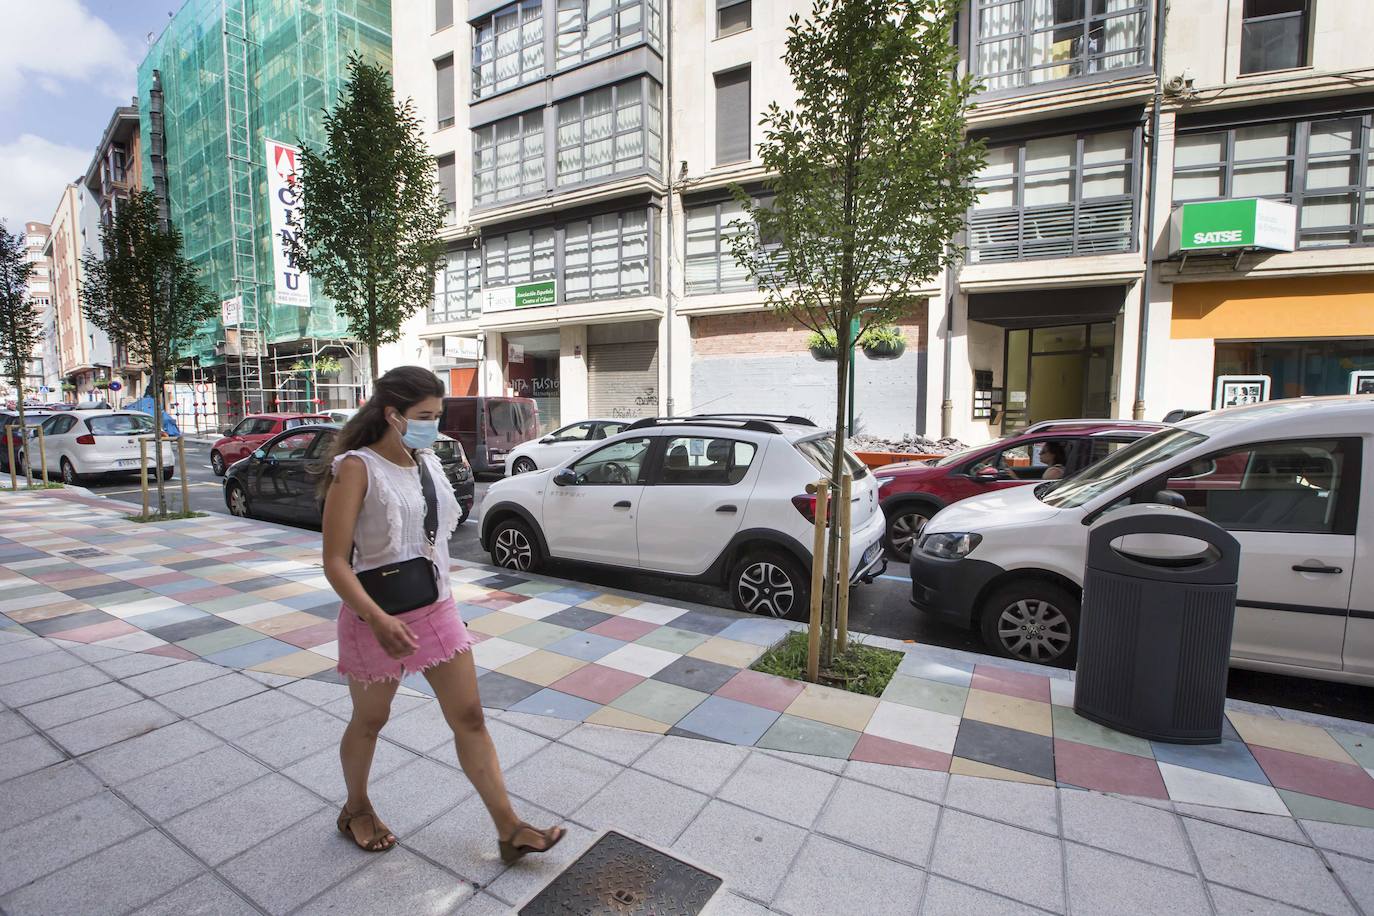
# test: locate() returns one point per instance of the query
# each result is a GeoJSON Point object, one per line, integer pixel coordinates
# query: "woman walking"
{"type": "Point", "coordinates": [388, 514]}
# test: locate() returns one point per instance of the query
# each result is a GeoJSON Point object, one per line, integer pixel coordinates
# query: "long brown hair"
{"type": "Point", "coordinates": [400, 389]}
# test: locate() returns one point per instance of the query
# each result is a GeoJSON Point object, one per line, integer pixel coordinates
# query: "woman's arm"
{"type": "Point", "coordinates": [341, 507]}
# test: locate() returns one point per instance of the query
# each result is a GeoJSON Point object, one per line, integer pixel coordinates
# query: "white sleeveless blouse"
{"type": "Point", "coordinates": [391, 523]}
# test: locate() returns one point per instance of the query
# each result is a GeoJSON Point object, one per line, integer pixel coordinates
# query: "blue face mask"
{"type": "Point", "coordinates": [420, 433]}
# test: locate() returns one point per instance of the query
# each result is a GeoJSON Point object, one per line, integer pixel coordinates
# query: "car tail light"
{"type": "Point", "coordinates": [806, 505]}
{"type": "Point", "coordinates": [87, 439]}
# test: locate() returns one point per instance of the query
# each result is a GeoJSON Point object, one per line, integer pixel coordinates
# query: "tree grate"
{"type": "Point", "coordinates": [619, 876]}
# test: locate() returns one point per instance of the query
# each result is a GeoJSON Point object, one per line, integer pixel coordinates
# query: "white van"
{"type": "Point", "coordinates": [1284, 477]}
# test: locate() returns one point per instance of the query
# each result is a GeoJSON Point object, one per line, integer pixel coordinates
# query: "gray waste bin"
{"type": "Point", "coordinates": [1155, 633]}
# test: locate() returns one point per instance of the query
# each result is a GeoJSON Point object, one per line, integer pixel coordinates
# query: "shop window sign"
{"type": "Point", "coordinates": [1232, 224]}
{"type": "Point", "coordinates": [523, 295]}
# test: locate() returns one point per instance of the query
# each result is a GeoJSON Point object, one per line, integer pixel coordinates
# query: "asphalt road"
{"type": "Point", "coordinates": [881, 609]}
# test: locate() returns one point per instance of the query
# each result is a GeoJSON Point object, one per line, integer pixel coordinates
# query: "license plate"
{"type": "Point", "coordinates": [127, 463]}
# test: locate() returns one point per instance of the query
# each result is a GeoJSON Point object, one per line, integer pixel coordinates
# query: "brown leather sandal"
{"type": "Point", "coordinates": [377, 842]}
{"type": "Point", "coordinates": [512, 852]}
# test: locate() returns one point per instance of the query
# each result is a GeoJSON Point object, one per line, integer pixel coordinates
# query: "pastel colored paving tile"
{"type": "Point", "coordinates": [833, 707]}
{"type": "Point", "coordinates": [671, 639]}
{"type": "Point", "coordinates": [312, 636]}
{"type": "Point", "coordinates": [1226, 758]}
{"type": "Point", "coordinates": [760, 632]}
{"type": "Point", "coordinates": [552, 703]}
{"type": "Point", "coordinates": [1201, 788]}
{"type": "Point", "coordinates": [647, 611]}
{"type": "Point", "coordinates": [502, 691]}
{"type": "Point", "coordinates": [1359, 747]}
{"type": "Point", "coordinates": [645, 661]}
{"type": "Point", "coordinates": [1008, 748]}
{"type": "Point", "coordinates": [171, 615]}
{"type": "Point", "coordinates": [597, 683]}
{"type": "Point", "coordinates": [728, 652]}
{"type": "Point", "coordinates": [1312, 808]}
{"type": "Point", "coordinates": [97, 632]}
{"type": "Point", "coordinates": [807, 736]}
{"type": "Point", "coordinates": [618, 718]}
{"type": "Point", "coordinates": [910, 725]}
{"type": "Point", "coordinates": [541, 667]}
{"type": "Point", "coordinates": [1010, 711]}
{"type": "Point", "coordinates": [251, 653]}
{"type": "Point", "coordinates": [169, 651]}
{"type": "Point", "coordinates": [539, 634]}
{"type": "Point", "coordinates": [67, 622]}
{"type": "Point", "coordinates": [470, 612]}
{"type": "Point", "coordinates": [529, 608]}
{"type": "Point", "coordinates": [962, 766]}
{"type": "Point", "coordinates": [729, 721]}
{"type": "Point", "coordinates": [702, 622]}
{"type": "Point", "coordinates": [766, 690]}
{"type": "Point", "coordinates": [28, 615]}
{"type": "Point", "coordinates": [495, 652]}
{"type": "Point", "coordinates": [1317, 776]}
{"type": "Point", "coordinates": [661, 702]}
{"type": "Point", "coordinates": [533, 589]}
{"type": "Point", "coordinates": [606, 604]}
{"type": "Point", "coordinates": [496, 623]}
{"type": "Point", "coordinates": [296, 664]}
{"type": "Point", "coordinates": [1012, 683]}
{"type": "Point", "coordinates": [578, 618]}
{"type": "Point", "coordinates": [254, 613]}
{"type": "Point", "coordinates": [498, 600]}
{"type": "Point", "coordinates": [1072, 727]}
{"type": "Point", "coordinates": [285, 623]}
{"type": "Point", "coordinates": [1284, 735]}
{"type": "Point", "coordinates": [624, 629]}
{"type": "Point", "coordinates": [1107, 771]}
{"type": "Point", "coordinates": [696, 674]}
{"type": "Point", "coordinates": [932, 695]}
{"type": "Point", "coordinates": [873, 749]}
{"type": "Point", "coordinates": [585, 645]}
{"type": "Point", "coordinates": [221, 640]}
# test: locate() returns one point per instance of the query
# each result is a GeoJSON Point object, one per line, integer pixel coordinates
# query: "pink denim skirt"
{"type": "Point", "coordinates": [437, 628]}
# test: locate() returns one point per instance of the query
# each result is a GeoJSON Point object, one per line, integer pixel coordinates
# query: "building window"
{"type": "Point", "coordinates": [733, 17]}
{"type": "Point", "coordinates": [1319, 166]}
{"type": "Point", "coordinates": [508, 158]}
{"type": "Point", "coordinates": [443, 91]}
{"type": "Point", "coordinates": [457, 287]}
{"type": "Point", "coordinates": [1273, 35]}
{"type": "Point", "coordinates": [1056, 197]}
{"type": "Point", "coordinates": [591, 28]}
{"type": "Point", "coordinates": [447, 168]}
{"type": "Point", "coordinates": [1297, 368]}
{"type": "Point", "coordinates": [1025, 42]}
{"type": "Point", "coordinates": [610, 132]}
{"type": "Point", "coordinates": [710, 263]}
{"type": "Point", "coordinates": [443, 14]}
{"type": "Point", "coordinates": [607, 257]}
{"type": "Point", "coordinates": [508, 48]}
{"type": "Point", "coordinates": [732, 117]}
{"type": "Point", "coordinates": [518, 257]}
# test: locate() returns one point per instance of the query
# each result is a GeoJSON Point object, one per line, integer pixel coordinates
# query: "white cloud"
{"type": "Point", "coordinates": [56, 42]}
{"type": "Point", "coordinates": [32, 177]}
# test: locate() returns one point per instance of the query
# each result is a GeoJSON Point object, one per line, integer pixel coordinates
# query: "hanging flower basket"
{"type": "Point", "coordinates": [884, 343]}
{"type": "Point", "coordinates": [822, 347]}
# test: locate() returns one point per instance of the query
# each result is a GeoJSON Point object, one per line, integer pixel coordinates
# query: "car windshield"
{"type": "Point", "coordinates": [1125, 463]}
{"type": "Point", "coordinates": [957, 457]}
{"type": "Point", "coordinates": [820, 451]}
{"type": "Point", "coordinates": [120, 424]}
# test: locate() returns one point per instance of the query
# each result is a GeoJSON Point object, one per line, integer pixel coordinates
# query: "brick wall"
{"type": "Point", "coordinates": [766, 333]}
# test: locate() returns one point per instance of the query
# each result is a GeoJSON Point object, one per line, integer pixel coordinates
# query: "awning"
{"type": "Point", "coordinates": [1044, 307]}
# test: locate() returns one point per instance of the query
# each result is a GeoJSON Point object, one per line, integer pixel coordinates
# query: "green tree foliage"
{"type": "Point", "coordinates": [871, 179]}
{"type": "Point", "coordinates": [146, 296]}
{"type": "Point", "coordinates": [19, 318]}
{"type": "Point", "coordinates": [369, 214]}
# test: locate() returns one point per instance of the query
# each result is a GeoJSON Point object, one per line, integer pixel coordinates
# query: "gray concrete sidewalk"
{"type": "Point", "coordinates": [133, 783]}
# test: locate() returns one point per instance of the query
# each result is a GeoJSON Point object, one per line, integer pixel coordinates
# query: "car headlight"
{"type": "Point", "coordinates": [951, 545]}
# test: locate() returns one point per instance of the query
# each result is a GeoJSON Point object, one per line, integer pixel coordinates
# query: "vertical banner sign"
{"type": "Point", "coordinates": [292, 286]}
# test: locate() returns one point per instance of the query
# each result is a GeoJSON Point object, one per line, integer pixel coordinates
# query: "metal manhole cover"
{"type": "Point", "coordinates": [82, 553]}
{"type": "Point", "coordinates": [619, 876]}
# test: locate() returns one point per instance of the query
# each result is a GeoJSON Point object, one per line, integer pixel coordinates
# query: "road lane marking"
{"type": "Point", "coordinates": [153, 486]}
{"type": "Point", "coordinates": [896, 578]}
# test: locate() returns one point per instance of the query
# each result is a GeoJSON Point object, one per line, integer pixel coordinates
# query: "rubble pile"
{"type": "Point", "coordinates": [908, 444]}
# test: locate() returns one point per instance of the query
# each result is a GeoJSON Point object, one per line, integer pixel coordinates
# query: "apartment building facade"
{"type": "Point", "coordinates": [83, 350]}
{"type": "Point", "coordinates": [41, 377]}
{"type": "Point", "coordinates": [588, 151]}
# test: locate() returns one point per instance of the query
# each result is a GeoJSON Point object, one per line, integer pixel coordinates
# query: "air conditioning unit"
{"type": "Point", "coordinates": [1180, 85]}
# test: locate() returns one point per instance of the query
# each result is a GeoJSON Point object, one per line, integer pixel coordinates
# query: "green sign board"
{"type": "Point", "coordinates": [1232, 224]}
{"type": "Point", "coordinates": [543, 293]}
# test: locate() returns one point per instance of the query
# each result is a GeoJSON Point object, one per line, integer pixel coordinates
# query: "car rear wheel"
{"type": "Point", "coordinates": [904, 527]}
{"type": "Point", "coordinates": [513, 546]}
{"type": "Point", "coordinates": [237, 499]}
{"type": "Point", "coordinates": [767, 582]}
{"type": "Point", "coordinates": [217, 463]}
{"type": "Point", "coordinates": [1032, 621]}
{"type": "Point", "coordinates": [524, 466]}
{"type": "Point", "coordinates": [69, 475]}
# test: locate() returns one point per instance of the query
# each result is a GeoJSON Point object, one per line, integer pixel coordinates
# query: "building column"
{"type": "Point", "coordinates": [572, 372]}
{"type": "Point", "coordinates": [675, 365]}
{"type": "Point", "coordinates": [492, 382]}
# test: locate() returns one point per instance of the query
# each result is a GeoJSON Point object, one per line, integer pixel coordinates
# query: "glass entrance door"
{"type": "Point", "coordinates": [1058, 372]}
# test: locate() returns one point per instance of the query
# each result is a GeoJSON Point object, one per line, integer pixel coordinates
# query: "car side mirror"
{"type": "Point", "coordinates": [1171, 498]}
{"type": "Point", "coordinates": [565, 478]}
{"type": "Point", "coordinates": [987, 474]}
{"type": "Point", "coordinates": [259, 455]}
{"type": "Point", "coordinates": [546, 440]}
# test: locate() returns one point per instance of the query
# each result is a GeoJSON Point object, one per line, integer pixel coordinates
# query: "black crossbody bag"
{"type": "Point", "coordinates": [414, 583]}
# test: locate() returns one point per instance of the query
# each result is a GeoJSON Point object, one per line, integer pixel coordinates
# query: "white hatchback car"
{"type": "Point", "coordinates": [717, 499]}
{"type": "Point", "coordinates": [84, 443]}
{"type": "Point", "coordinates": [560, 445]}
{"type": "Point", "coordinates": [1291, 480]}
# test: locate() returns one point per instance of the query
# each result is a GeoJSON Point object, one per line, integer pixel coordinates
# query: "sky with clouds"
{"type": "Point", "coordinates": [65, 65]}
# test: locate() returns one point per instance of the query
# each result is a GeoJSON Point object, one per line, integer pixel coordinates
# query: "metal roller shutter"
{"type": "Point", "coordinates": [622, 379]}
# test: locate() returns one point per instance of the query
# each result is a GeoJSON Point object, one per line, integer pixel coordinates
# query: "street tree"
{"type": "Point", "coordinates": [871, 177]}
{"type": "Point", "coordinates": [369, 213]}
{"type": "Point", "coordinates": [19, 318]}
{"type": "Point", "coordinates": [147, 297]}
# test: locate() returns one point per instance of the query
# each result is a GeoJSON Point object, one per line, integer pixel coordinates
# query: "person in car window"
{"type": "Point", "coordinates": [375, 516]}
{"type": "Point", "coordinates": [1052, 456]}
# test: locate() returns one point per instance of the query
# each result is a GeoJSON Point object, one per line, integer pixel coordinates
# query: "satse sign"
{"type": "Point", "coordinates": [1220, 224]}
{"type": "Point", "coordinates": [292, 286]}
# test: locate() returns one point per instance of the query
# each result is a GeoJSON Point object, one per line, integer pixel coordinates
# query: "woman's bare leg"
{"type": "Point", "coordinates": [371, 709]}
{"type": "Point", "coordinates": [455, 686]}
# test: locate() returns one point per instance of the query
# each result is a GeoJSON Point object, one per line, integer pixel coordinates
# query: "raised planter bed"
{"type": "Point", "coordinates": [878, 459]}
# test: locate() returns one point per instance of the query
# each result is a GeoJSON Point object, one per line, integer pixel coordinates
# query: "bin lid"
{"type": "Point", "coordinates": [1217, 564]}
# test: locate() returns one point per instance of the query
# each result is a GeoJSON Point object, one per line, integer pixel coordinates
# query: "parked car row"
{"type": "Point", "coordinates": [82, 444]}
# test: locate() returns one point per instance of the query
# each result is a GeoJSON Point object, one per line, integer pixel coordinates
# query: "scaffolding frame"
{"type": "Point", "coordinates": [302, 391]}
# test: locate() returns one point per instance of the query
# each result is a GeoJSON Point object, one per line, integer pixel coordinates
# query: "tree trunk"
{"type": "Point", "coordinates": [372, 361]}
{"type": "Point", "coordinates": [157, 442]}
{"type": "Point", "coordinates": [22, 432]}
{"type": "Point", "coordinates": [835, 577]}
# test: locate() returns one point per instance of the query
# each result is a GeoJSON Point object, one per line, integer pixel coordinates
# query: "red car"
{"type": "Point", "coordinates": [251, 432]}
{"type": "Point", "coordinates": [913, 491]}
